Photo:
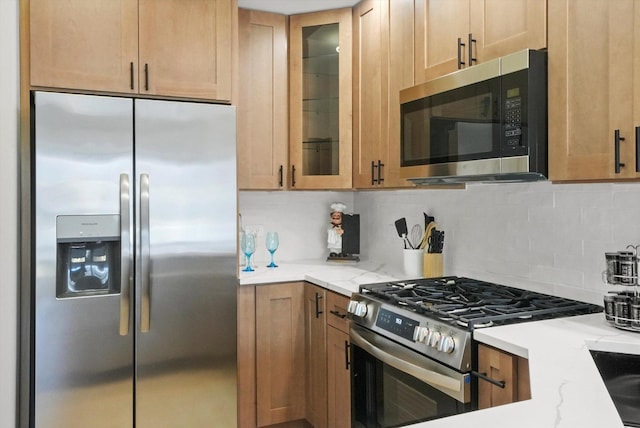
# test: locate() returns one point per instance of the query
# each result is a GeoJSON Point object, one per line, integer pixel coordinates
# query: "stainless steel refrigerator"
{"type": "Point", "coordinates": [134, 298]}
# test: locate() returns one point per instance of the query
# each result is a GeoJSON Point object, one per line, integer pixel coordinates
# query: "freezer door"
{"type": "Point", "coordinates": [83, 365]}
{"type": "Point", "coordinates": [186, 264]}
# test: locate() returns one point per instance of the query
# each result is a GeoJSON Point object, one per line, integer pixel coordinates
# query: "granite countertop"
{"type": "Point", "coordinates": [566, 388]}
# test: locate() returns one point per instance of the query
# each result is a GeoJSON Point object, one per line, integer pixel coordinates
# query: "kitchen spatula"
{"type": "Point", "coordinates": [401, 228]}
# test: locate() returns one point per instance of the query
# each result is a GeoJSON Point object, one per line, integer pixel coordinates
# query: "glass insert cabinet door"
{"type": "Point", "coordinates": [320, 100]}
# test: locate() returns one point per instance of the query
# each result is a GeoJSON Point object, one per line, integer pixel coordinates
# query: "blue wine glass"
{"type": "Point", "coordinates": [272, 245]}
{"type": "Point", "coordinates": [248, 245]}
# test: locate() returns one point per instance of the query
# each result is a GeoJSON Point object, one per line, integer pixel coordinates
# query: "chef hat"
{"type": "Point", "coordinates": [338, 207]}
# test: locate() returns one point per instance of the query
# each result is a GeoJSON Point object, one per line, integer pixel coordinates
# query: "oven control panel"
{"type": "Point", "coordinates": [439, 340]}
{"type": "Point", "coordinates": [397, 324]}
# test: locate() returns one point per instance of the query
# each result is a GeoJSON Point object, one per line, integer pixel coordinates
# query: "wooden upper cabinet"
{"type": "Point", "coordinates": [320, 100]}
{"type": "Point", "coordinates": [589, 101]}
{"type": "Point", "coordinates": [439, 24]}
{"type": "Point", "coordinates": [263, 123]}
{"type": "Point", "coordinates": [84, 44]}
{"type": "Point", "coordinates": [178, 48]}
{"type": "Point", "coordinates": [369, 103]}
{"type": "Point", "coordinates": [501, 27]}
{"type": "Point", "coordinates": [185, 48]}
{"type": "Point", "coordinates": [497, 28]}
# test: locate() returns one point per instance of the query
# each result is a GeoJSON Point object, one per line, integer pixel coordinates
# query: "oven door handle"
{"type": "Point", "coordinates": [428, 376]}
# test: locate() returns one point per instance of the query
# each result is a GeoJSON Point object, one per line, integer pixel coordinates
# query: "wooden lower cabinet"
{"type": "Point", "coordinates": [293, 345]}
{"type": "Point", "coordinates": [316, 354]}
{"type": "Point", "coordinates": [508, 368]}
{"type": "Point", "coordinates": [338, 362]}
{"type": "Point", "coordinates": [339, 379]}
{"type": "Point", "coordinates": [280, 363]}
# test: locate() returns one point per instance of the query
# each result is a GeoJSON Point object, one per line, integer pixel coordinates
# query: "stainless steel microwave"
{"type": "Point", "coordinates": [484, 123]}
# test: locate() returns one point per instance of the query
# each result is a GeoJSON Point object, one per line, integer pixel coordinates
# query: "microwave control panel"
{"type": "Point", "coordinates": [514, 118]}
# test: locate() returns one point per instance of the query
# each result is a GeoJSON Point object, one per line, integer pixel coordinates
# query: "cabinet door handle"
{"type": "Point", "coordinates": [483, 376]}
{"type": "Point", "coordinates": [460, 46]}
{"type": "Point", "coordinates": [131, 75]}
{"type": "Point", "coordinates": [617, 139]}
{"type": "Point", "coordinates": [347, 363]}
{"type": "Point", "coordinates": [281, 176]}
{"type": "Point", "coordinates": [471, 42]}
{"type": "Point", "coordinates": [318, 311]}
{"type": "Point", "coordinates": [380, 165]}
{"type": "Point", "coordinates": [373, 175]}
{"type": "Point", "coordinates": [293, 176]}
{"type": "Point", "coordinates": [146, 77]}
{"type": "Point", "coordinates": [637, 148]}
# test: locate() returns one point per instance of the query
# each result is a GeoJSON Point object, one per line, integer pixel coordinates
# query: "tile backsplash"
{"type": "Point", "coordinates": [539, 236]}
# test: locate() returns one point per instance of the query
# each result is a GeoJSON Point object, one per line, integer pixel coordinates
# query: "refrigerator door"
{"type": "Point", "coordinates": [186, 265]}
{"type": "Point", "coordinates": [83, 365]}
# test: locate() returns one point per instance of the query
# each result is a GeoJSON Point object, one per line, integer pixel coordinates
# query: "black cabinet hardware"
{"type": "Point", "coordinates": [617, 139]}
{"type": "Point", "coordinates": [461, 63]}
{"type": "Point", "coordinates": [338, 314]}
{"type": "Point", "coordinates": [637, 148]}
{"type": "Point", "coordinates": [318, 311]}
{"type": "Point", "coordinates": [373, 175]}
{"type": "Point", "coordinates": [146, 77]}
{"type": "Point", "coordinates": [380, 165]}
{"type": "Point", "coordinates": [483, 376]}
{"type": "Point", "coordinates": [347, 363]}
{"type": "Point", "coordinates": [281, 174]}
{"type": "Point", "coordinates": [293, 176]}
{"type": "Point", "coordinates": [471, 42]}
{"type": "Point", "coordinates": [131, 75]}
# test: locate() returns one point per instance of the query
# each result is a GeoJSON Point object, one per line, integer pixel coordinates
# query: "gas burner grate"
{"type": "Point", "coordinates": [475, 304]}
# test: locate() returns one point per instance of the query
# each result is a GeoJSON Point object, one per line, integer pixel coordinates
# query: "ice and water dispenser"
{"type": "Point", "coordinates": [88, 255]}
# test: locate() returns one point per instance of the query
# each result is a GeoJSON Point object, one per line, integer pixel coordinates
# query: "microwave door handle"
{"type": "Point", "coordinates": [125, 255]}
{"type": "Point", "coordinates": [145, 257]}
{"type": "Point", "coordinates": [428, 376]}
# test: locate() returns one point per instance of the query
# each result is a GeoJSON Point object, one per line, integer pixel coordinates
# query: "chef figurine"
{"type": "Point", "coordinates": [335, 231]}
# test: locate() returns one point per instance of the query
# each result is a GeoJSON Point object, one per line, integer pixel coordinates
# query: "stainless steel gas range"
{"type": "Point", "coordinates": [412, 349]}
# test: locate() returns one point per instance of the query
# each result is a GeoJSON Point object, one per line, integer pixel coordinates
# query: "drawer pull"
{"type": "Point", "coordinates": [338, 314]}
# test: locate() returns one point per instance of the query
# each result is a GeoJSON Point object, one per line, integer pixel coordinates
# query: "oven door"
{"type": "Point", "coordinates": [395, 386]}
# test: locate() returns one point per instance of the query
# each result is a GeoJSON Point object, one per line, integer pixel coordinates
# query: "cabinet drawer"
{"type": "Point", "coordinates": [337, 311]}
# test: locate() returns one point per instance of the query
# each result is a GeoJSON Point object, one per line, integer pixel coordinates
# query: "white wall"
{"type": "Point", "coordinates": [538, 236]}
{"type": "Point", "coordinates": [9, 117]}
{"type": "Point", "coordinates": [300, 218]}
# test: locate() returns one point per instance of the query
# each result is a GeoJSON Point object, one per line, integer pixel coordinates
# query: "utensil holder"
{"type": "Point", "coordinates": [432, 265]}
{"type": "Point", "coordinates": [413, 263]}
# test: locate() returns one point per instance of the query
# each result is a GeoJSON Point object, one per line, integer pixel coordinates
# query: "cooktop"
{"type": "Point", "coordinates": [472, 304]}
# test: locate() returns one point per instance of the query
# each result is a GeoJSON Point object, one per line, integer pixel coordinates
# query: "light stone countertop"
{"type": "Point", "coordinates": [343, 278]}
{"type": "Point", "coordinates": [566, 388]}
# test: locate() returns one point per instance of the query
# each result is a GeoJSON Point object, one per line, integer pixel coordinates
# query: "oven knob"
{"type": "Point", "coordinates": [352, 306]}
{"type": "Point", "coordinates": [361, 310]}
{"type": "Point", "coordinates": [434, 339]}
{"type": "Point", "coordinates": [424, 333]}
{"type": "Point", "coordinates": [447, 344]}
{"type": "Point", "coordinates": [420, 334]}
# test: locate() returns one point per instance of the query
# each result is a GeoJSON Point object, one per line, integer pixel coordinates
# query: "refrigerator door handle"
{"type": "Point", "coordinates": [145, 257]}
{"type": "Point", "coordinates": [125, 255]}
